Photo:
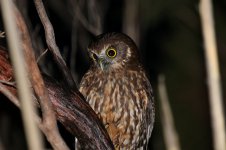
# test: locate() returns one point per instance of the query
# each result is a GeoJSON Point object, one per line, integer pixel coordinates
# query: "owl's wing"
{"type": "Point", "coordinates": [84, 85]}
{"type": "Point", "coordinates": [150, 109]}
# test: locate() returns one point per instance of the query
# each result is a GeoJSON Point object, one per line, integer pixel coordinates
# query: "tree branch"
{"type": "Point", "coordinates": [50, 40]}
{"type": "Point", "coordinates": [33, 136]}
{"type": "Point", "coordinates": [170, 133]}
{"type": "Point", "coordinates": [213, 75]}
{"type": "Point", "coordinates": [49, 119]}
{"type": "Point", "coordinates": [75, 114]}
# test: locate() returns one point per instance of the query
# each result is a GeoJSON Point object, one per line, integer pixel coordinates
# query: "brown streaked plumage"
{"type": "Point", "coordinates": [118, 90]}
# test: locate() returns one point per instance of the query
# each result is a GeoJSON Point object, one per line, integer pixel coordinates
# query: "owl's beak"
{"type": "Point", "coordinates": [101, 63]}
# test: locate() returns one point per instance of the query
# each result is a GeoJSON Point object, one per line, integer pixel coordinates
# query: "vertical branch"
{"type": "Point", "coordinates": [50, 40]}
{"type": "Point", "coordinates": [48, 115]}
{"type": "Point", "coordinates": [32, 133]}
{"type": "Point", "coordinates": [213, 74]}
{"type": "Point", "coordinates": [170, 134]}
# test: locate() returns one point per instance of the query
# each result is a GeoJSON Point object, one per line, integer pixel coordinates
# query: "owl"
{"type": "Point", "coordinates": [117, 88]}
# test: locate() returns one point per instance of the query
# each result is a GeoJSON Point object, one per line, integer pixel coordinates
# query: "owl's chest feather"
{"type": "Point", "coordinates": [120, 100]}
{"type": "Point", "coordinates": [114, 92]}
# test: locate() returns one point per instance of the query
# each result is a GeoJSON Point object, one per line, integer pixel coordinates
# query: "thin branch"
{"type": "Point", "coordinates": [2, 34]}
{"type": "Point", "coordinates": [9, 95]}
{"type": "Point", "coordinates": [49, 119]}
{"type": "Point", "coordinates": [8, 83]}
{"type": "Point", "coordinates": [170, 134]}
{"type": "Point", "coordinates": [42, 54]}
{"type": "Point", "coordinates": [50, 40]}
{"type": "Point", "coordinates": [213, 75]}
{"type": "Point", "coordinates": [32, 133]}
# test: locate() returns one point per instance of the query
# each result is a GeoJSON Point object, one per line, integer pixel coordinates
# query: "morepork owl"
{"type": "Point", "coordinates": [117, 88]}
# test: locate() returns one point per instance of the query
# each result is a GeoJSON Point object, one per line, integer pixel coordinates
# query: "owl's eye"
{"type": "Point", "coordinates": [94, 56]}
{"type": "Point", "coordinates": [111, 52]}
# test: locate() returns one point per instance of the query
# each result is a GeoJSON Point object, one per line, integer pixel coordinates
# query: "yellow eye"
{"type": "Point", "coordinates": [111, 53]}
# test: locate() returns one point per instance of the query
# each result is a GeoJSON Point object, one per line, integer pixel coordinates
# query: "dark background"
{"type": "Point", "coordinates": [169, 36]}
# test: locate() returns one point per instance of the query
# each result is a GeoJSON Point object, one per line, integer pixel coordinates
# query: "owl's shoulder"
{"type": "Point", "coordinates": [90, 76]}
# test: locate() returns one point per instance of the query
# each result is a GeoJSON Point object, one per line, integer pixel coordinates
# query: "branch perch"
{"type": "Point", "coordinates": [76, 116]}
{"type": "Point", "coordinates": [69, 105]}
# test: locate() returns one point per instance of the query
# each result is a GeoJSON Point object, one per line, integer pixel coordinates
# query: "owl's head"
{"type": "Point", "coordinates": [113, 50]}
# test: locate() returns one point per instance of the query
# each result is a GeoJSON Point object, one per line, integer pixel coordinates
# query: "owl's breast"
{"type": "Point", "coordinates": [120, 100]}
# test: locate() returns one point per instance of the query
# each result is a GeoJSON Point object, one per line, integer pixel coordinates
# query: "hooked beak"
{"type": "Point", "coordinates": [101, 63]}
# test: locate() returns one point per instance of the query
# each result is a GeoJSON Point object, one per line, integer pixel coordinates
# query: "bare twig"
{"type": "Point", "coordinates": [2, 34]}
{"type": "Point", "coordinates": [42, 54]}
{"type": "Point", "coordinates": [9, 95]}
{"type": "Point", "coordinates": [50, 40]}
{"type": "Point", "coordinates": [8, 83]}
{"type": "Point", "coordinates": [32, 133]}
{"type": "Point", "coordinates": [213, 74]}
{"type": "Point", "coordinates": [49, 120]}
{"type": "Point", "coordinates": [170, 134]}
